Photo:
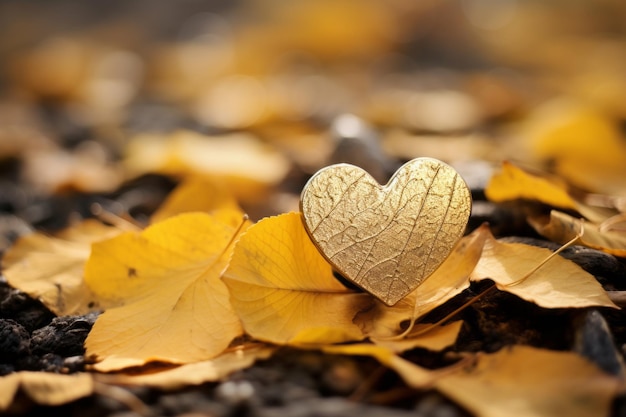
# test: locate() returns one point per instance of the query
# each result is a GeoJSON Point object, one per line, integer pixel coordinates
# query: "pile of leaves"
{"type": "Point", "coordinates": [185, 258]}
{"type": "Point", "coordinates": [210, 292]}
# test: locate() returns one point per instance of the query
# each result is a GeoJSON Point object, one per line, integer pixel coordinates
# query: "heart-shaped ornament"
{"type": "Point", "coordinates": [386, 239]}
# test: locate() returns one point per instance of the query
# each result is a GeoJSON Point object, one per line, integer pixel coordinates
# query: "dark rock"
{"type": "Point", "coordinates": [357, 143]}
{"type": "Point", "coordinates": [235, 392]}
{"type": "Point", "coordinates": [593, 340]}
{"type": "Point", "coordinates": [73, 364]}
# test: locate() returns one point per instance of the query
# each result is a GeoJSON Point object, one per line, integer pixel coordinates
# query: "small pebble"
{"type": "Point", "coordinates": [234, 392]}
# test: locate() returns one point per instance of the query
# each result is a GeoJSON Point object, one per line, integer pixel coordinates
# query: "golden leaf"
{"type": "Point", "coordinates": [284, 291]}
{"type": "Point", "coordinates": [50, 269]}
{"type": "Point", "coordinates": [84, 170]}
{"type": "Point", "coordinates": [45, 388]}
{"type": "Point", "coordinates": [519, 269]}
{"type": "Point", "coordinates": [386, 239]}
{"type": "Point", "coordinates": [528, 382]}
{"type": "Point", "coordinates": [193, 373]}
{"type": "Point", "coordinates": [561, 227]}
{"type": "Point", "coordinates": [584, 146]}
{"type": "Point", "coordinates": [515, 183]}
{"type": "Point", "coordinates": [197, 194]}
{"type": "Point", "coordinates": [170, 304]}
{"type": "Point", "coordinates": [246, 165]}
{"type": "Point", "coordinates": [447, 281]}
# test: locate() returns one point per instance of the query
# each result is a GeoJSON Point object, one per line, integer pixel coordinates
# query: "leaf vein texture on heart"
{"type": "Point", "coordinates": [386, 239]}
{"type": "Point", "coordinates": [439, 229]}
{"type": "Point", "coordinates": [336, 201]}
{"type": "Point", "coordinates": [403, 252]}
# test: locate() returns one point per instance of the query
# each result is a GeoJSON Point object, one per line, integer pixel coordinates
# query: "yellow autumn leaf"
{"type": "Point", "coordinates": [197, 194]}
{"type": "Point", "coordinates": [559, 283]}
{"type": "Point", "coordinates": [513, 183]}
{"type": "Point", "coordinates": [521, 381]}
{"type": "Point", "coordinates": [169, 303]}
{"type": "Point", "coordinates": [45, 388]}
{"type": "Point", "coordinates": [284, 291]}
{"type": "Point", "coordinates": [50, 269]}
{"type": "Point", "coordinates": [196, 373]}
{"type": "Point", "coordinates": [245, 164]}
{"type": "Point", "coordinates": [83, 170]}
{"type": "Point", "coordinates": [584, 146]}
{"type": "Point", "coordinates": [561, 227]}
{"type": "Point", "coordinates": [447, 281]}
{"type": "Point", "coordinates": [529, 382]}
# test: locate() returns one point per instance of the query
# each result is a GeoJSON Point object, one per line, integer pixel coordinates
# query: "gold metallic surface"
{"type": "Point", "coordinates": [386, 239]}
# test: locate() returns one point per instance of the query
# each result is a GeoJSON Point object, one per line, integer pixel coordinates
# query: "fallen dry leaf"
{"type": "Point", "coordinates": [242, 162]}
{"type": "Point", "coordinates": [284, 291]}
{"type": "Point", "coordinates": [521, 381]}
{"type": "Point", "coordinates": [447, 281]}
{"type": "Point", "coordinates": [529, 382]}
{"type": "Point", "coordinates": [169, 304]}
{"type": "Point", "coordinates": [561, 228]}
{"type": "Point", "coordinates": [193, 373]}
{"type": "Point", "coordinates": [515, 183]}
{"type": "Point", "coordinates": [86, 169]}
{"type": "Point", "coordinates": [66, 60]}
{"type": "Point", "coordinates": [386, 239]}
{"type": "Point", "coordinates": [584, 146]}
{"type": "Point", "coordinates": [45, 388]}
{"type": "Point", "coordinates": [50, 269]}
{"type": "Point", "coordinates": [559, 283]}
{"type": "Point", "coordinates": [197, 194]}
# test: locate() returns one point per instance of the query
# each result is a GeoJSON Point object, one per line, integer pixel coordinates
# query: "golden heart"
{"type": "Point", "coordinates": [386, 239]}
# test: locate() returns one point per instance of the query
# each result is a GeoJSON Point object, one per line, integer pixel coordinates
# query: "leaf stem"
{"type": "Point", "coordinates": [552, 255]}
{"type": "Point", "coordinates": [244, 219]}
{"type": "Point", "coordinates": [118, 221]}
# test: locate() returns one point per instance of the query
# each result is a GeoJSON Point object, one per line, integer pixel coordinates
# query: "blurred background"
{"type": "Point", "coordinates": [94, 94]}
